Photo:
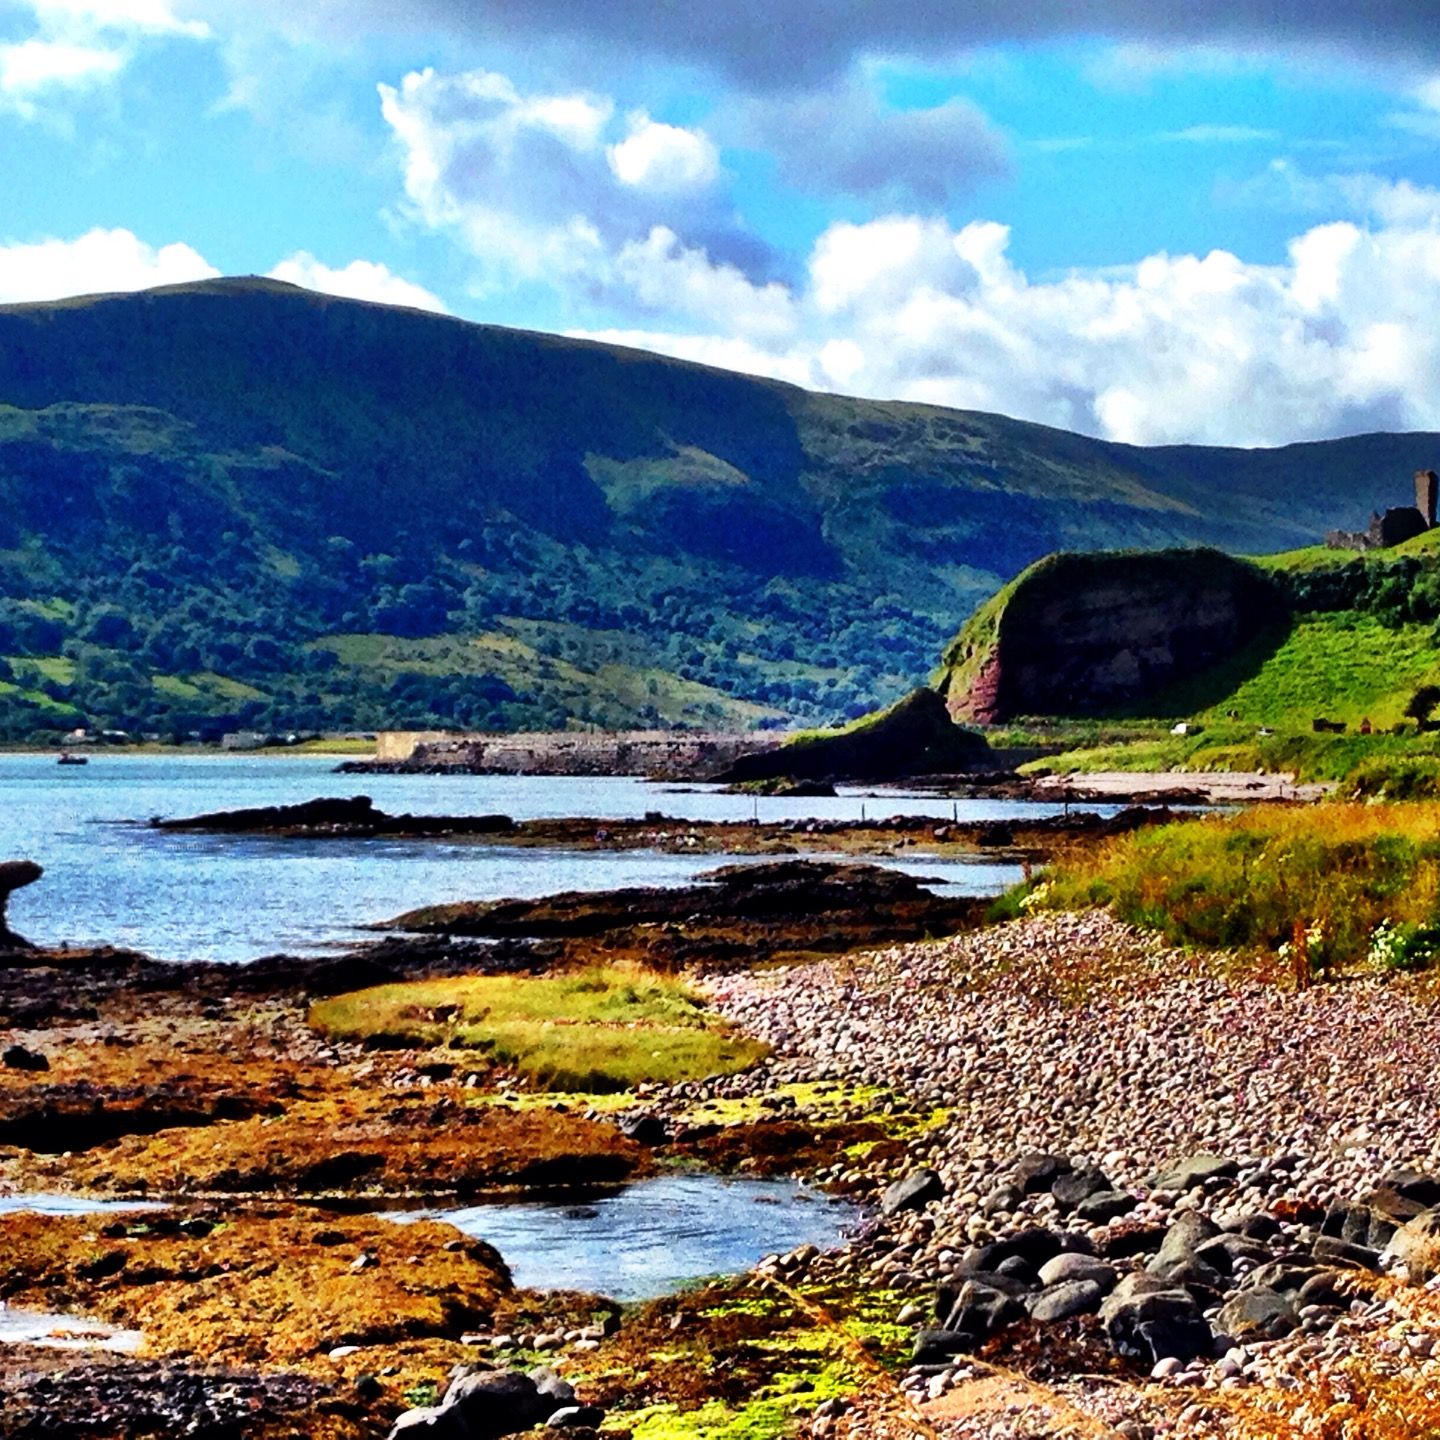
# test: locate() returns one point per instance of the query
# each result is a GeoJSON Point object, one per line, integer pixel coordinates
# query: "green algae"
{"type": "Point", "coordinates": [770, 1415]}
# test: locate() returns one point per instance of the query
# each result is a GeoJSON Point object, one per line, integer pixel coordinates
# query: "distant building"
{"type": "Point", "coordinates": [1398, 524]}
{"type": "Point", "coordinates": [243, 740]}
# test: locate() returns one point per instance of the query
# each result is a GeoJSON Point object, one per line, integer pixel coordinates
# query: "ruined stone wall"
{"type": "Point", "coordinates": [397, 746]}
{"type": "Point", "coordinates": [664, 753]}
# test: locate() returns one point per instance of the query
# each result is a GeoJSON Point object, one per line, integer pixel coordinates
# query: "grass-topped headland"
{"type": "Point", "coordinates": [1350, 884]}
{"type": "Point", "coordinates": [602, 1029]}
{"type": "Point", "coordinates": [1315, 662]}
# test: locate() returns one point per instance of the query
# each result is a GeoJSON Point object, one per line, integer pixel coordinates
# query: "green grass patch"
{"type": "Point", "coordinates": [1237, 747]}
{"type": "Point", "coordinates": [1244, 882]}
{"type": "Point", "coordinates": [602, 1029]}
{"type": "Point", "coordinates": [38, 668]}
{"type": "Point", "coordinates": [1344, 666]}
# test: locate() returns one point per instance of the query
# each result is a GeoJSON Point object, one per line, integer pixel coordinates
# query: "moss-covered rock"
{"type": "Point", "coordinates": [915, 736]}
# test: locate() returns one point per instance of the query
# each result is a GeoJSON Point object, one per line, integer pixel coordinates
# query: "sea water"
{"type": "Point", "coordinates": [109, 879]}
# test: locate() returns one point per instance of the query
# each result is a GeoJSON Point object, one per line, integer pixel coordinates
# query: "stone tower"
{"type": "Point", "coordinates": [1427, 491]}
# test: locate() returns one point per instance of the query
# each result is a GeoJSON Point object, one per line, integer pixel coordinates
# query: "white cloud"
{"type": "Point", "coordinates": [80, 44]}
{"type": "Point", "coordinates": [150, 17]}
{"type": "Point", "coordinates": [664, 157]}
{"type": "Point", "coordinates": [1338, 338]}
{"type": "Point", "coordinates": [97, 263]}
{"type": "Point", "coordinates": [1221, 135]}
{"type": "Point", "coordinates": [31, 67]}
{"type": "Point", "coordinates": [662, 274]}
{"type": "Point", "coordinates": [359, 280]}
{"type": "Point", "coordinates": [556, 189]}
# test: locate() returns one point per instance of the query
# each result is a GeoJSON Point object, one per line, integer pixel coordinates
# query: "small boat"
{"type": "Point", "coordinates": [66, 758]}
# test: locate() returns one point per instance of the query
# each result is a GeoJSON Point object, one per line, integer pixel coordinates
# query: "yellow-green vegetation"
{"type": "Point", "coordinates": [602, 1029]}
{"type": "Point", "coordinates": [1345, 666]}
{"type": "Point", "coordinates": [1361, 882]}
{"type": "Point", "coordinates": [1365, 762]}
{"type": "Point", "coordinates": [745, 1361]}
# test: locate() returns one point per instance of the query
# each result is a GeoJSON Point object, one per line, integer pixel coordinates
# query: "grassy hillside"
{"type": "Point", "coordinates": [242, 502]}
{"type": "Point", "coordinates": [1361, 638]}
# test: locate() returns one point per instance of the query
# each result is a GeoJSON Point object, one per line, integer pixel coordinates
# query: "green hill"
{"type": "Point", "coordinates": [1249, 654]}
{"type": "Point", "coordinates": [241, 503]}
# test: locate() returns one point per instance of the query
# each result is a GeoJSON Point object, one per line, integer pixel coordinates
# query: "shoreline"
{"type": "Point", "coordinates": [1053, 1120]}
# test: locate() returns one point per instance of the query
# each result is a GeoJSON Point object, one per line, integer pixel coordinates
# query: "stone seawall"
{"type": "Point", "coordinates": [662, 754]}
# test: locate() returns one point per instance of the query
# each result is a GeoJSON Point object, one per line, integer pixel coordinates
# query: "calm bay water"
{"type": "Point", "coordinates": [655, 1235]}
{"type": "Point", "coordinates": [111, 880]}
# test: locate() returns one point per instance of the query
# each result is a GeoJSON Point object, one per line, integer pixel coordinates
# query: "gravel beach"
{"type": "Point", "coordinates": [1077, 1038]}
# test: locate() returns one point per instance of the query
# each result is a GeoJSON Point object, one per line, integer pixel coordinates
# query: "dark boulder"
{"type": "Point", "coordinates": [1412, 1185]}
{"type": "Point", "coordinates": [1069, 1297]}
{"type": "Point", "coordinates": [1034, 1245]}
{"type": "Point", "coordinates": [1326, 1289]}
{"type": "Point", "coordinates": [1222, 1251]}
{"type": "Point", "coordinates": [1287, 1276]}
{"type": "Point", "coordinates": [912, 1192]}
{"type": "Point", "coordinates": [1156, 1325]}
{"type": "Point", "coordinates": [1330, 1251]}
{"type": "Point", "coordinates": [14, 875]}
{"type": "Point", "coordinates": [1106, 1205]}
{"type": "Point", "coordinates": [936, 1347]}
{"type": "Point", "coordinates": [1257, 1314]}
{"type": "Point", "coordinates": [1077, 1186]}
{"type": "Point", "coordinates": [17, 1057]}
{"type": "Point", "coordinates": [1070, 1266]}
{"type": "Point", "coordinates": [1188, 1171]}
{"type": "Point", "coordinates": [1037, 1172]}
{"type": "Point", "coordinates": [982, 1309]}
{"type": "Point", "coordinates": [645, 1129]}
{"type": "Point", "coordinates": [497, 1402]}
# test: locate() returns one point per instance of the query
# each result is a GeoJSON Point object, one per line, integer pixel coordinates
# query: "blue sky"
{"type": "Point", "coordinates": [1118, 218]}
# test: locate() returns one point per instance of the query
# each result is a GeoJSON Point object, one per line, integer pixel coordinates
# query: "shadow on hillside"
{"type": "Point", "coordinates": [1212, 686]}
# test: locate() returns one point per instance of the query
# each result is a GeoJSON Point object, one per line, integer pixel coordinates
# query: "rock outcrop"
{"type": "Point", "coordinates": [14, 875]}
{"type": "Point", "coordinates": [1087, 634]}
{"type": "Point", "coordinates": [915, 736]}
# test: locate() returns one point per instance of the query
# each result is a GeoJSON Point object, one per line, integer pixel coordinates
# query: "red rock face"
{"type": "Point", "coordinates": [981, 702]}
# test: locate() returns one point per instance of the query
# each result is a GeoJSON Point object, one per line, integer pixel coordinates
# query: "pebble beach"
{"type": "Point", "coordinates": [1256, 1116]}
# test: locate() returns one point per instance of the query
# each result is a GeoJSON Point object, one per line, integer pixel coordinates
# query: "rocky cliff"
{"type": "Point", "coordinates": [1090, 634]}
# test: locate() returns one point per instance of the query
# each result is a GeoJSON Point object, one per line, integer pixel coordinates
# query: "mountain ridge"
{"type": "Point", "coordinates": [244, 502]}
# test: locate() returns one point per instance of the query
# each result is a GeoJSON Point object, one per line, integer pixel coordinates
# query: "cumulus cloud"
{"type": "Point", "coordinates": [359, 280]}
{"type": "Point", "coordinates": [1337, 339]}
{"type": "Point", "coordinates": [845, 140]}
{"type": "Point", "coordinates": [558, 188]}
{"type": "Point", "coordinates": [664, 157]}
{"type": "Point", "coordinates": [97, 263]}
{"type": "Point", "coordinates": [31, 67]}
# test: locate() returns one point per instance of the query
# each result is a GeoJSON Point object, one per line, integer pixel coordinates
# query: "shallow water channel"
{"type": "Point", "coordinates": [110, 880]}
{"type": "Point", "coordinates": [51, 1330]}
{"type": "Point", "coordinates": [654, 1236]}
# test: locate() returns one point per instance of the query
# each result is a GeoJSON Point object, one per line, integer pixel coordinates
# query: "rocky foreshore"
{"type": "Point", "coordinates": [1115, 1190]}
{"type": "Point", "coordinates": [1151, 1199]}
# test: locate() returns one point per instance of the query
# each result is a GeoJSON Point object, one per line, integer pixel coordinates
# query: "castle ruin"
{"type": "Point", "coordinates": [1398, 524]}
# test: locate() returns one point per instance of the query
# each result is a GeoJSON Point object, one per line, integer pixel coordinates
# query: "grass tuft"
{"type": "Point", "coordinates": [1244, 882]}
{"type": "Point", "coordinates": [602, 1029]}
